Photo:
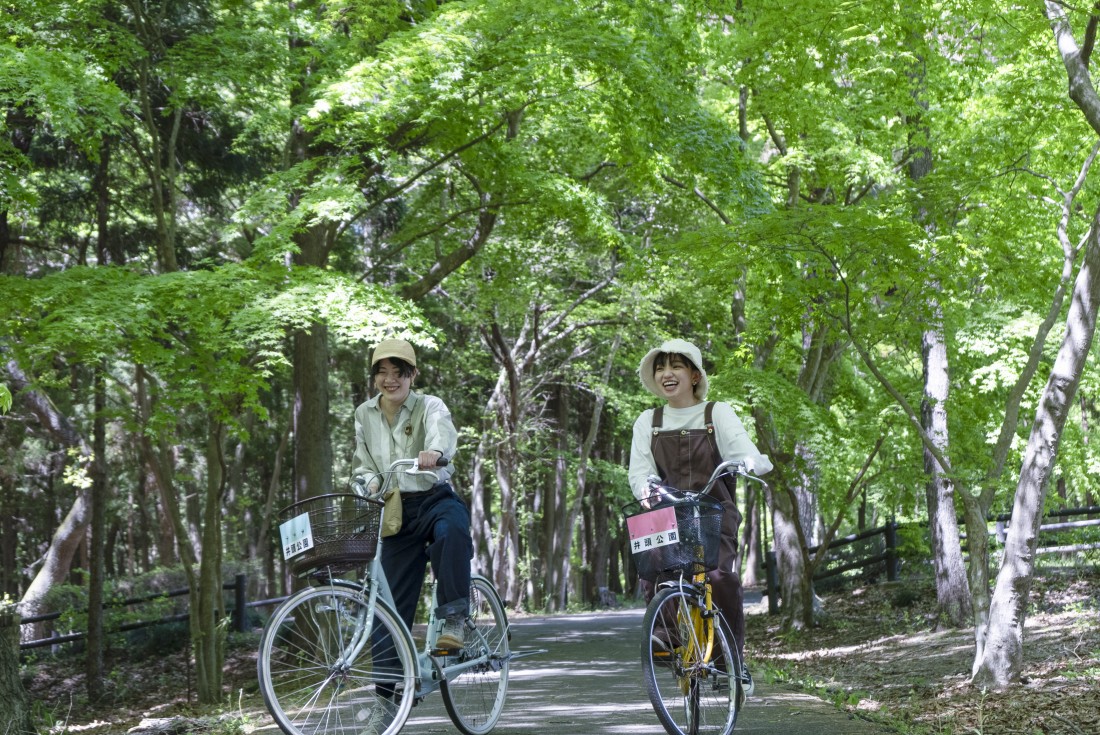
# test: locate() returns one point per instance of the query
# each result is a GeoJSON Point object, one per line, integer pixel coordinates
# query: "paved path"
{"type": "Point", "coordinates": [589, 683]}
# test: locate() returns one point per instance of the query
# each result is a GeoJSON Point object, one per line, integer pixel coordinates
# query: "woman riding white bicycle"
{"type": "Point", "coordinates": [398, 423]}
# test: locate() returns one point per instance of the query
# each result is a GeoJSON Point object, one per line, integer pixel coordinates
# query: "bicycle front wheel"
{"type": "Point", "coordinates": [474, 697]}
{"type": "Point", "coordinates": [328, 666]}
{"type": "Point", "coordinates": [694, 685]}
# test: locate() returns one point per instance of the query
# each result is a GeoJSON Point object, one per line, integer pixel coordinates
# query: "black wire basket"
{"type": "Point", "coordinates": [344, 529]}
{"type": "Point", "coordinates": [674, 537]}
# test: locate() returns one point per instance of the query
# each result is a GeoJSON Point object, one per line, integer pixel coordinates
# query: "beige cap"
{"type": "Point", "coordinates": [398, 348]}
{"type": "Point", "coordinates": [679, 347]}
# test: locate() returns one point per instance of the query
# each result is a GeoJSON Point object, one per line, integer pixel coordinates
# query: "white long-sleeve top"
{"type": "Point", "coordinates": [378, 444]}
{"type": "Point", "coordinates": [733, 441]}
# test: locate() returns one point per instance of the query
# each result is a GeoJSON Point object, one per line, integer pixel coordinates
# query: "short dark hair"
{"type": "Point", "coordinates": [404, 369]}
{"type": "Point", "coordinates": [666, 357]}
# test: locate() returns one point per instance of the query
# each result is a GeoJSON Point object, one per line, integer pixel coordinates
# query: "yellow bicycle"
{"type": "Point", "coordinates": [690, 660]}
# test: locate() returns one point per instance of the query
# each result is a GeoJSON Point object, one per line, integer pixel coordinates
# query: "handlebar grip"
{"type": "Point", "coordinates": [442, 462]}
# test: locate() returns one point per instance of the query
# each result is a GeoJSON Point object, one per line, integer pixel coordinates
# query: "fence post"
{"type": "Point", "coordinates": [240, 611]}
{"type": "Point", "coordinates": [772, 577]}
{"type": "Point", "coordinates": [891, 550]}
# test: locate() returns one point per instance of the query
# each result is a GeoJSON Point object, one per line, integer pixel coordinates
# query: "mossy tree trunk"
{"type": "Point", "coordinates": [14, 708]}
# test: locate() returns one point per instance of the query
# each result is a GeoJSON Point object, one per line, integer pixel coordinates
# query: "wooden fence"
{"type": "Point", "coordinates": [885, 549]}
{"type": "Point", "coordinates": [844, 555]}
{"type": "Point", "coordinates": [238, 613]}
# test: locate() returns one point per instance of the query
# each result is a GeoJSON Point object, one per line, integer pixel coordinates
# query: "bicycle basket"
{"type": "Point", "coordinates": [674, 537]}
{"type": "Point", "coordinates": [338, 532]}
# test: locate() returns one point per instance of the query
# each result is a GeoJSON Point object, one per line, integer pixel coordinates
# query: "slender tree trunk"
{"type": "Point", "coordinates": [952, 590]}
{"type": "Point", "coordinates": [952, 593]}
{"type": "Point", "coordinates": [600, 557]}
{"type": "Point", "coordinates": [481, 518]}
{"type": "Point", "coordinates": [556, 520]}
{"type": "Point", "coordinates": [750, 560]}
{"type": "Point", "coordinates": [93, 661]}
{"type": "Point", "coordinates": [507, 533]}
{"type": "Point", "coordinates": [207, 636]}
{"type": "Point", "coordinates": [1002, 654]}
{"type": "Point", "coordinates": [312, 443]}
{"type": "Point", "coordinates": [584, 457]}
{"type": "Point", "coordinates": [69, 535]}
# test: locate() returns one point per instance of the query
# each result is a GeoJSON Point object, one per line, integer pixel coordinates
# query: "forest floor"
{"type": "Point", "coordinates": [876, 654]}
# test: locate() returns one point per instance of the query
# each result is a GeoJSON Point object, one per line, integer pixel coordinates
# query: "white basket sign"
{"type": "Point", "coordinates": [297, 536]}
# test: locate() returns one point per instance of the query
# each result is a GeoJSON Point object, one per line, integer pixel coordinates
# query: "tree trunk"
{"type": "Point", "coordinates": [481, 519]}
{"type": "Point", "coordinates": [952, 594]}
{"type": "Point", "coordinates": [207, 637]}
{"type": "Point", "coordinates": [584, 455]}
{"type": "Point", "coordinates": [93, 660]}
{"type": "Point", "coordinates": [1002, 655]}
{"type": "Point", "coordinates": [750, 560]}
{"type": "Point", "coordinates": [952, 590]}
{"type": "Point", "coordinates": [507, 532]}
{"type": "Point", "coordinates": [15, 711]}
{"type": "Point", "coordinates": [556, 517]}
{"type": "Point", "coordinates": [793, 585]}
{"type": "Point", "coordinates": [70, 534]}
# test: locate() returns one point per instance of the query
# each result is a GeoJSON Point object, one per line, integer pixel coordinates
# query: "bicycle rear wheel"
{"type": "Point", "coordinates": [691, 692]}
{"type": "Point", "coordinates": [475, 697]}
{"type": "Point", "coordinates": [320, 672]}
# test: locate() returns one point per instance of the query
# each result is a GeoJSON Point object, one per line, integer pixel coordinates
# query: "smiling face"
{"type": "Point", "coordinates": [393, 380]}
{"type": "Point", "coordinates": [676, 378]}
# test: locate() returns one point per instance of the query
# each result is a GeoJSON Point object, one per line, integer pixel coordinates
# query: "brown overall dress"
{"type": "Point", "coordinates": [685, 459]}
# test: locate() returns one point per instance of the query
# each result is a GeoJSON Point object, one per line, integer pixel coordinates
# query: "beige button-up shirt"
{"type": "Point", "coordinates": [378, 443]}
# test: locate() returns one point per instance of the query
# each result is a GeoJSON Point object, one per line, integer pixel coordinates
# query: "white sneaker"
{"type": "Point", "coordinates": [747, 684]}
{"type": "Point", "coordinates": [452, 635]}
{"type": "Point", "coordinates": [381, 715]}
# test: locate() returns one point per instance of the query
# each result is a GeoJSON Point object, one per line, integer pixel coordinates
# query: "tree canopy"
{"type": "Point", "coordinates": [209, 211]}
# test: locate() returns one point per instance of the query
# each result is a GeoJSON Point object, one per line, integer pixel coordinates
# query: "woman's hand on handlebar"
{"type": "Point", "coordinates": [430, 459]}
{"type": "Point", "coordinates": [361, 486]}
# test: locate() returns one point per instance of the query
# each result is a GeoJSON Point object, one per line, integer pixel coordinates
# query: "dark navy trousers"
{"type": "Point", "coordinates": [435, 527]}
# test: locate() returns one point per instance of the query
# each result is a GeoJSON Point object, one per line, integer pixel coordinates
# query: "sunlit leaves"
{"type": "Point", "coordinates": [210, 338]}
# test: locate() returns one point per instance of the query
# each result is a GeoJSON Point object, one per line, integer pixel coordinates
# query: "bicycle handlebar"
{"type": "Point", "coordinates": [728, 467]}
{"type": "Point", "coordinates": [360, 484]}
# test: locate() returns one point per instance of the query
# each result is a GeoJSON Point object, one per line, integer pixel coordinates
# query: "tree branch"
{"type": "Point", "coordinates": [695, 190]}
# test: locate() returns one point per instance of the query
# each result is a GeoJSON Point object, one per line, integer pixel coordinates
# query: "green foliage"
{"type": "Point", "coordinates": [591, 177]}
{"type": "Point", "coordinates": [212, 338]}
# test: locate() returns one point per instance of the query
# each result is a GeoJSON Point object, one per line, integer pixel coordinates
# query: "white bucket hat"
{"type": "Point", "coordinates": [679, 347]}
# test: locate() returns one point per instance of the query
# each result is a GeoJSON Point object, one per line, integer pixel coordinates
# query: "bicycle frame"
{"type": "Point", "coordinates": [337, 657]}
{"type": "Point", "coordinates": [375, 583]}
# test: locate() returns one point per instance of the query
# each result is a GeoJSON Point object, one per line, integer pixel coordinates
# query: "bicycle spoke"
{"type": "Point", "coordinates": [689, 686]}
{"type": "Point", "coordinates": [320, 673]}
{"type": "Point", "coordinates": [475, 697]}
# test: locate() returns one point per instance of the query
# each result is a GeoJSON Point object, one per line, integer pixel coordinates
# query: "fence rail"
{"type": "Point", "coordinates": [888, 553]}
{"type": "Point", "coordinates": [238, 613]}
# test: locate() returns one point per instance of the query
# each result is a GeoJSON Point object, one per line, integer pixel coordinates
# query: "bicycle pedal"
{"type": "Point", "coordinates": [445, 651]}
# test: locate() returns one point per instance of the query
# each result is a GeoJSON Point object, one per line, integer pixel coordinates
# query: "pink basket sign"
{"type": "Point", "coordinates": [653, 529]}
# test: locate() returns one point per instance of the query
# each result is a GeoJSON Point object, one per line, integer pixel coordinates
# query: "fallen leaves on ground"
{"type": "Point", "coordinates": [877, 653]}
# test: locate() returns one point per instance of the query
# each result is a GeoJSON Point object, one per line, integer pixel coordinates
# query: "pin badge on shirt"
{"type": "Point", "coordinates": [408, 429]}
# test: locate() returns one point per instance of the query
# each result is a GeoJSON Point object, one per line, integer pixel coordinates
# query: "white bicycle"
{"type": "Point", "coordinates": [337, 658]}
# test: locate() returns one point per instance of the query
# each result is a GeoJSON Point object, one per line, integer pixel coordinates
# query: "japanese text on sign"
{"type": "Point", "coordinates": [653, 529]}
{"type": "Point", "coordinates": [296, 535]}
